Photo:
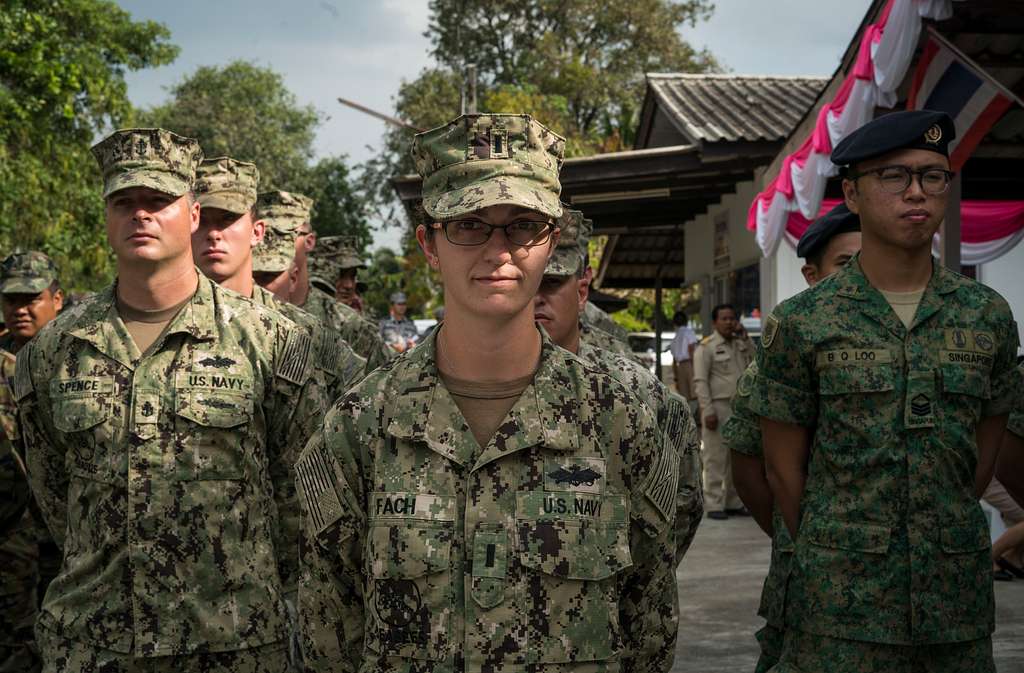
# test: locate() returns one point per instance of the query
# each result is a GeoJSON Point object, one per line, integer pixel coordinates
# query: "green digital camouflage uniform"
{"type": "Point", "coordinates": [284, 213]}
{"type": "Point", "coordinates": [552, 545]}
{"type": "Point", "coordinates": [161, 474]}
{"type": "Point", "coordinates": [1016, 422]}
{"type": "Point", "coordinates": [742, 433]}
{"type": "Point", "coordinates": [29, 559]}
{"type": "Point", "coordinates": [231, 185]}
{"type": "Point", "coordinates": [893, 549]}
{"type": "Point", "coordinates": [331, 256]}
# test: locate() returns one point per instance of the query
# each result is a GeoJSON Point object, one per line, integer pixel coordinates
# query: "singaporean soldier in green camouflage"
{"type": "Point", "coordinates": [488, 501]}
{"type": "Point", "coordinates": [287, 215]}
{"type": "Point", "coordinates": [829, 243]}
{"type": "Point", "coordinates": [160, 418]}
{"type": "Point", "coordinates": [1010, 469]}
{"type": "Point", "coordinates": [558, 308]}
{"type": "Point", "coordinates": [226, 249]}
{"type": "Point", "coordinates": [883, 393]}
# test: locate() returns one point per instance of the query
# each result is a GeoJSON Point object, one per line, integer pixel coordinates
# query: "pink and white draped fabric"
{"type": "Point", "coordinates": [886, 50]}
{"type": "Point", "coordinates": [989, 228]}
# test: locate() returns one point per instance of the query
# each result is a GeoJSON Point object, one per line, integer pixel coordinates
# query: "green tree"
{"type": "Point", "coordinates": [62, 67]}
{"type": "Point", "coordinates": [340, 208]}
{"type": "Point", "coordinates": [246, 112]}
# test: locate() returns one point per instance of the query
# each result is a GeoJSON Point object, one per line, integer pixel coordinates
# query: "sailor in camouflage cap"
{"type": "Point", "coordinates": [161, 417]}
{"type": "Point", "coordinates": [883, 393]}
{"type": "Point", "coordinates": [282, 266]}
{"type": "Point", "coordinates": [488, 501]}
{"type": "Point", "coordinates": [558, 308]}
{"type": "Point", "coordinates": [337, 261]}
{"type": "Point", "coordinates": [30, 295]}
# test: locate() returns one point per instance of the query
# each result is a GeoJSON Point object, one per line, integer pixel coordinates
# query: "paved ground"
{"type": "Point", "coordinates": [720, 585]}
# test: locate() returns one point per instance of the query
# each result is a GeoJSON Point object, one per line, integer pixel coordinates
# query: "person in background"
{"type": "Point", "coordinates": [718, 362]}
{"type": "Point", "coordinates": [397, 330]}
{"type": "Point", "coordinates": [883, 394]}
{"type": "Point", "coordinates": [683, 345]}
{"type": "Point", "coordinates": [828, 244]}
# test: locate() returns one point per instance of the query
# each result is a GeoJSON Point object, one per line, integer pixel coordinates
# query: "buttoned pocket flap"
{"type": "Point", "coordinates": [966, 380]}
{"type": "Point", "coordinates": [579, 550]}
{"type": "Point", "coordinates": [214, 408]}
{"type": "Point", "coordinates": [75, 414]}
{"type": "Point", "coordinates": [847, 535]}
{"type": "Point", "coordinates": [965, 537]}
{"type": "Point", "coordinates": [856, 379]}
{"type": "Point", "coordinates": [408, 551]}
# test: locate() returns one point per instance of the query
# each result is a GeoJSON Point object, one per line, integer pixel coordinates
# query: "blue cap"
{"type": "Point", "coordinates": [839, 220]}
{"type": "Point", "coordinates": [908, 130]}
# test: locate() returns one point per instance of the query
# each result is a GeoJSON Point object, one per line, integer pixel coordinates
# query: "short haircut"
{"type": "Point", "coordinates": [722, 307]}
{"type": "Point", "coordinates": [54, 286]}
{"type": "Point", "coordinates": [679, 319]}
{"type": "Point", "coordinates": [817, 255]}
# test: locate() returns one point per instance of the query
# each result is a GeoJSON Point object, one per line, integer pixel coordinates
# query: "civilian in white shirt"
{"type": "Point", "coordinates": [682, 348]}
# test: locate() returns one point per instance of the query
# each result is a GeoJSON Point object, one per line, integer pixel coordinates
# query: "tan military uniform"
{"type": "Point", "coordinates": [165, 477]}
{"type": "Point", "coordinates": [718, 364]}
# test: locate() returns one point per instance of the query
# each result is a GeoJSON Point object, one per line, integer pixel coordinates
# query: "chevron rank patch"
{"type": "Point", "coordinates": [294, 363]}
{"type": "Point", "coordinates": [662, 484]}
{"type": "Point", "coordinates": [315, 478]}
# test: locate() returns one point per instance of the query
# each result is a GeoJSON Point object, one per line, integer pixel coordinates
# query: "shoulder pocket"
{"type": "Point", "coordinates": [410, 590]}
{"type": "Point", "coordinates": [856, 379]}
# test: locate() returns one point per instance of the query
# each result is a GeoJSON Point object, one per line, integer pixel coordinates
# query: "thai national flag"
{"type": "Point", "coordinates": [947, 82]}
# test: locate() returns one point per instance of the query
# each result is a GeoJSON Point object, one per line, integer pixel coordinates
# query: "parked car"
{"type": "Point", "coordinates": [642, 343]}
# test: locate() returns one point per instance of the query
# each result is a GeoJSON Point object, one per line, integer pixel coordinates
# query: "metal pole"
{"type": "Point", "coordinates": [949, 238]}
{"type": "Point", "coordinates": [657, 325]}
{"type": "Point", "coordinates": [471, 76]}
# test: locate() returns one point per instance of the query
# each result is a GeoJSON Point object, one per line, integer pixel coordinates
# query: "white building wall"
{"type": "Point", "coordinates": [1006, 276]}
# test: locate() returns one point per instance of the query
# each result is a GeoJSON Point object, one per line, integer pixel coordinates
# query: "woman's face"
{"type": "Point", "coordinates": [497, 278]}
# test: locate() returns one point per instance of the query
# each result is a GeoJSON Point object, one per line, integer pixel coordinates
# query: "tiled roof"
{"type": "Point", "coordinates": [713, 108]}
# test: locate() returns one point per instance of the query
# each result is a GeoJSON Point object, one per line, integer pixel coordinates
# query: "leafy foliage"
{"type": "Point", "coordinates": [62, 67]}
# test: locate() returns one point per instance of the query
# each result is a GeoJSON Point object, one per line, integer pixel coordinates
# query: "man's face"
{"type": "Point", "coordinates": [725, 323]}
{"type": "Point", "coordinates": [399, 310]}
{"type": "Point", "coordinates": [497, 279]}
{"type": "Point", "coordinates": [906, 220]}
{"type": "Point", "coordinates": [26, 314]}
{"type": "Point", "coordinates": [345, 286]}
{"type": "Point", "coordinates": [150, 227]}
{"type": "Point", "coordinates": [840, 250]}
{"type": "Point", "coordinates": [222, 245]}
{"type": "Point", "coordinates": [558, 305]}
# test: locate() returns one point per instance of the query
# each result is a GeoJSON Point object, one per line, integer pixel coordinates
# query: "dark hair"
{"type": "Point", "coordinates": [679, 319]}
{"type": "Point", "coordinates": [722, 307]}
{"type": "Point", "coordinates": [54, 286]}
{"type": "Point", "coordinates": [816, 255]}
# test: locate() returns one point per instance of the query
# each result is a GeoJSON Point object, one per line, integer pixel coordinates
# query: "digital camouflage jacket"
{"type": "Point", "coordinates": [164, 477]}
{"type": "Point", "coordinates": [340, 366]}
{"type": "Point", "coordinates": [362, 335]}
{"type": "Point", "coordinates": [742, 433]}
{"type": "Point", "coordinates": [1016, 422]}
{"type": "Point", "coordinates": [893, 546]}
{"type": "Point", "coordinates": [678, 432]}
{"type": "Point", "coordinates": [551, 546]}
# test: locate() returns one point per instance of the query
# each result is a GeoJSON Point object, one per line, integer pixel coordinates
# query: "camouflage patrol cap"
{"type": "Point", "coordinates": [483, 160]}
{"type": "Point", "coordinates": [572, 244]}
{"type": "Point", "coordinates": [154, 158]}
{"type": "Point", "coordinates": [26, 273]}
{"type": "Point", "coordinates": [283, 213]}
{"type": "Point", "coordinates": [341, 251]}
{"type": "Point", "coordinates": [227, 184]}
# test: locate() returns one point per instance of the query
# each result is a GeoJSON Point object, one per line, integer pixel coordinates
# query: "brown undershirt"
{"type": "Point", "coordinates": [904, 304]}
{"type": "Point", "coordinates": [146, 327]}
{"type": "Point", "coordinates": [485, 404]}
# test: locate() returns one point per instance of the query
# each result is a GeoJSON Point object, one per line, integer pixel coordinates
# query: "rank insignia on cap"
{"type": "Point", "coordinates": [933, 135]}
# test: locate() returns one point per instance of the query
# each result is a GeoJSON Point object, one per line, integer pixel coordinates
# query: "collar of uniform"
{"type": "Point", "coordinates": [423, 410]}
{"type": "Point", "coordinates": [198, 317]}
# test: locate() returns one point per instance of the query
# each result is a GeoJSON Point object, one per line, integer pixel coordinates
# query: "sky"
{"type": "Point", "coordinates": [363, 50]}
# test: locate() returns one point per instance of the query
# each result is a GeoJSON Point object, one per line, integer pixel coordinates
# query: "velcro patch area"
{"type": "Point", "coordinates": [315, 478]}
{"type": "Point", "coordinates": [294, 363]}
{"type": "Point", "coordinates": [663, 482]}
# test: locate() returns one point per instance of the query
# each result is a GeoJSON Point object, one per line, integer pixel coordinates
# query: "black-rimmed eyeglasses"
{"type": "Point", "coordinates": [896, 179]}
{"type": "Point", "coordinates": [526, 233]}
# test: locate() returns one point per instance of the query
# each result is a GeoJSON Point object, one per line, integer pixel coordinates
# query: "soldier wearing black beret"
{"type": "Point", "coordinates": [883, 393]}
{"type": "Point", "coordinates": [830, 242]}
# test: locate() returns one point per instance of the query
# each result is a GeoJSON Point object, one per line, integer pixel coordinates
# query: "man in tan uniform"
{"type": "Point", "coordinates": [718, 363]}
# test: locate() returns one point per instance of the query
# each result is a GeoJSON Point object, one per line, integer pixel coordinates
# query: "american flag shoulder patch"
{"type": "Point", "coordinates": [328, 351]}
{"type": "Point", "coordinates": [294, 363]}
{"type": "Point", "coordinates": [315, 479]}
{"type": "Point", "coordinates": [663, 482]}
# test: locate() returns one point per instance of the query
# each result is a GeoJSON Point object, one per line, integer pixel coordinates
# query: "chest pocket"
{"type": "Point", "coordinates": [569, 587]}
{"type": "Point", "coordinates": [211, 427]}
{"type": "Point", "coordinates": [857, 405]}
{"type": "Point", "coordinates": [410, 593]}
{"type": "Point", "coordinates": [82, 418]}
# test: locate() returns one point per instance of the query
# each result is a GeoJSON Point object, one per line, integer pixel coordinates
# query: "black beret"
{"type": "Point", "coordinates": [908, 130]}
{"type": "Point", "coordinates": [839, 220]}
